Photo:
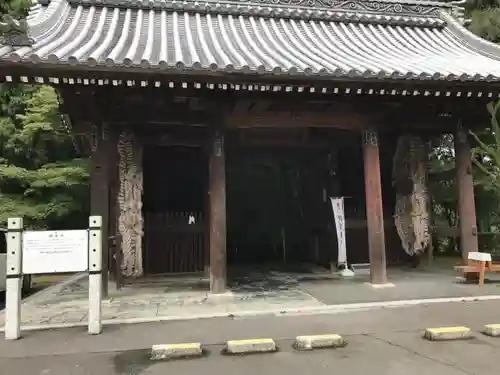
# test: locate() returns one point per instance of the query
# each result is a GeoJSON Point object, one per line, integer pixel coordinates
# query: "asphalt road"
{"type": "Point", "coordinates": [376, 354]}
{"type": "Point", "coordinates": [380, 342]}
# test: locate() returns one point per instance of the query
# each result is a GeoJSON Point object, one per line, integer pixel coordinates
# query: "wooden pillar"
{"type": "Point", "coordinates": [217, 214]}
{"type": "Point", "coordinates": [99, 193]}
{"type": "Point", "coordinates": [113, 158]}
{"type": "Point", "coordinates": [206, 213]}
{"type": "Point", "coordinates": [466, 204]}
{"type": "Point", "coordinates": [374, 210]}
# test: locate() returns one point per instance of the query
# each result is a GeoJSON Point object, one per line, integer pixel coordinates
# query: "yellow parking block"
{"type": "Point", "coordinates": [447, 333]}
{"type": "Point", "coordinates": [247, 346]}
{"type": "Point", "coordinates": [492, 330]}
{"type": "Point", "coordinates": [170, 351]}
{"type": "Point", "coordinates": [319, 342]}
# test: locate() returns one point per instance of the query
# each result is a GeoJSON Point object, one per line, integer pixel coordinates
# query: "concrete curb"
{"type": "Point", "coordinates": [174, 351]}
{"type": "Point", "coordinates": [492, 330]}
{"type": "Point", "coordinates": [319, 342]}
{"type": "Point", "coordinates": [381, 286]}
{"type": "Point", "coordinates": [447, 333]}
{"type": "Point", "coordinates": [326, 309]}
{"type": "Point", "coordinates": [250, 346]}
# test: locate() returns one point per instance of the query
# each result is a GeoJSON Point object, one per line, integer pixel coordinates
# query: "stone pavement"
{"type": "Point", "coordinates": [169, 297]}
{"type": "Point", "coordinates": [256, 291]}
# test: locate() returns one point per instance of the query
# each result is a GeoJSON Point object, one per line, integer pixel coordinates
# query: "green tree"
{"type": "Point", "coordinates": [487, 155]}
{"type": "Point", "coordinates": [485, 22]}
{"type": "Point", "coordinates": [42, 176]}
{"type": "Point", "coordinates": [19, 7]}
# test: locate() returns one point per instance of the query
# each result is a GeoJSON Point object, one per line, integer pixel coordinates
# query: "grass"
{"type": "Point", "coordinates": [48, 279]}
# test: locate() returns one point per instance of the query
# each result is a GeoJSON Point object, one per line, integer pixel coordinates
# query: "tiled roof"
{"type": "Point", "coordinates": [427, 45]}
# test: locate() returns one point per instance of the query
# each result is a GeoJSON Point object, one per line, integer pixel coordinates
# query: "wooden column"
{"type": "Point", "coordinates": [99, 193]}
{"type": "Point", "coordinates": [113, 159]}
{"type": "Point", "coordinates": [374, 210]}
{"type": "Point", "coordinates": [217, 214]}
{"type": "Point", "coordinates": [466, 204]}
{"type": "Point", "coordinates": [206, 214]}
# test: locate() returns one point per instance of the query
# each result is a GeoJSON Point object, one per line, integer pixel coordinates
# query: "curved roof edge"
{"type": "Point", "coordinates": [377, 47]}
{"type": "Point", "coordinates": [409, 12]}
{"type": "Point", "coordinates": [407, 8]}
{"type": "Point", "coordinates": [412, 13]}
{"type": "Point", "coordinates": [475, 42]}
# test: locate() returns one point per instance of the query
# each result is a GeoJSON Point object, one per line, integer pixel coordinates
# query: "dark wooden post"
{"type": "Point", "coordinates": [206, 214]}
{"type": "Point", "coordinates": [217, 215]}
{"type": "Point", "coordinates": [114, 257]}
{"type": "Point", "coordinates": [99, 192]}
{"type": "Point", "coordinates": [374, 210]}
{"type": "Point", "coordinates": [466, 203]}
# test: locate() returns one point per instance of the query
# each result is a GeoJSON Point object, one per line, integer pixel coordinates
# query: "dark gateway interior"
{"type": "Point", "coordinates": [278, 208]}
{"type": "Point", "coordinates": [174, 209]}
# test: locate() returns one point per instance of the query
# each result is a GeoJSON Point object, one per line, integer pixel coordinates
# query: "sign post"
{"type": "Point", "coordinates": [14, 279]}
{"type": "Point", "coordinates": [95, 275]}
{"type": "Point", "coordinates": [42, 252]}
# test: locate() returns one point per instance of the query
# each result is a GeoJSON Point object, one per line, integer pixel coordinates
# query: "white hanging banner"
{"type": "Point", "coordinates": [338, 214]}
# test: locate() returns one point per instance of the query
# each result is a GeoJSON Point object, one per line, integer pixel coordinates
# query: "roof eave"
{"type": "Point", "coordinates": [468, 38]}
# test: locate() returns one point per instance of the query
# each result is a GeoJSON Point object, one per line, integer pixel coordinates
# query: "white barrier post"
{"type": "Point", "coordinates": [14, 279]}
{"type": "Point", "coordinates": [95, 275]}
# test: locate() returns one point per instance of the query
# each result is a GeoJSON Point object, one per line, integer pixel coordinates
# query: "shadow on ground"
{"type": "Point", "coordinates": [132, 362]}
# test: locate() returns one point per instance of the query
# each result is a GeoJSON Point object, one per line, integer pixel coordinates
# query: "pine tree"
{"type": "Point", "coordinates": [42, 177]}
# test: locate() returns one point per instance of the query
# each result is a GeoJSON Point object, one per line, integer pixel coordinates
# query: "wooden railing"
{"type": "Point", "coordinates": [174, 242]}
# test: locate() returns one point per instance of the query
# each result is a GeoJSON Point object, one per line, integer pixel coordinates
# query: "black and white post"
{"type": "Point", "coordinates": [95, 275]}
{"type": "Point", "coordinates": [14, 279]}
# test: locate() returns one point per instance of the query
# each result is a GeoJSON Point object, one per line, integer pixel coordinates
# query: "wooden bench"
{"type": "Point", "coordinates": [478, 263]}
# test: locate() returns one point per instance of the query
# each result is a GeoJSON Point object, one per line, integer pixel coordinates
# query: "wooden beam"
{"type": "Point", "coordinates": [159, 138]}
{"type": "Point", "coordinates": [142, 115]}
{"type": "Point", "coordinates": [337, 119]}
{"type": "Point", "coordinates": [242, 105]}
{"type": "Point", "coordinates": [302, 144]}
{"type": "Point", "coordinates": [466, 204]}
{"type": "Point", "coordinates": [261, 105]}
{"type": "Point", "coordinates": [217, 219]}
{"type": "Point", "coordinates": [374, 211]}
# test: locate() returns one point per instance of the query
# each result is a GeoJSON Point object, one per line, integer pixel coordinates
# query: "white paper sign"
{"type": "Point", "coordinates": [338, 214]}
{"type": "Point", "coordinates": [55, 251]}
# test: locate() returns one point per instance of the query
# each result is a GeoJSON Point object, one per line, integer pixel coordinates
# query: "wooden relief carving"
{"type": "Point", "coordinates": [130, 218]}
{"type": "Point", "coordinates": [411, 213]}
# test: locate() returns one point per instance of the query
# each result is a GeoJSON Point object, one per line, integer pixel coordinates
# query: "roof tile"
{"type": "Point", "coordinates": [385, 47]}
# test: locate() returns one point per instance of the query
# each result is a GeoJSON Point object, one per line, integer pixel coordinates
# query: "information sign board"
{"type": "Point", "coordinates": [55, 251]}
